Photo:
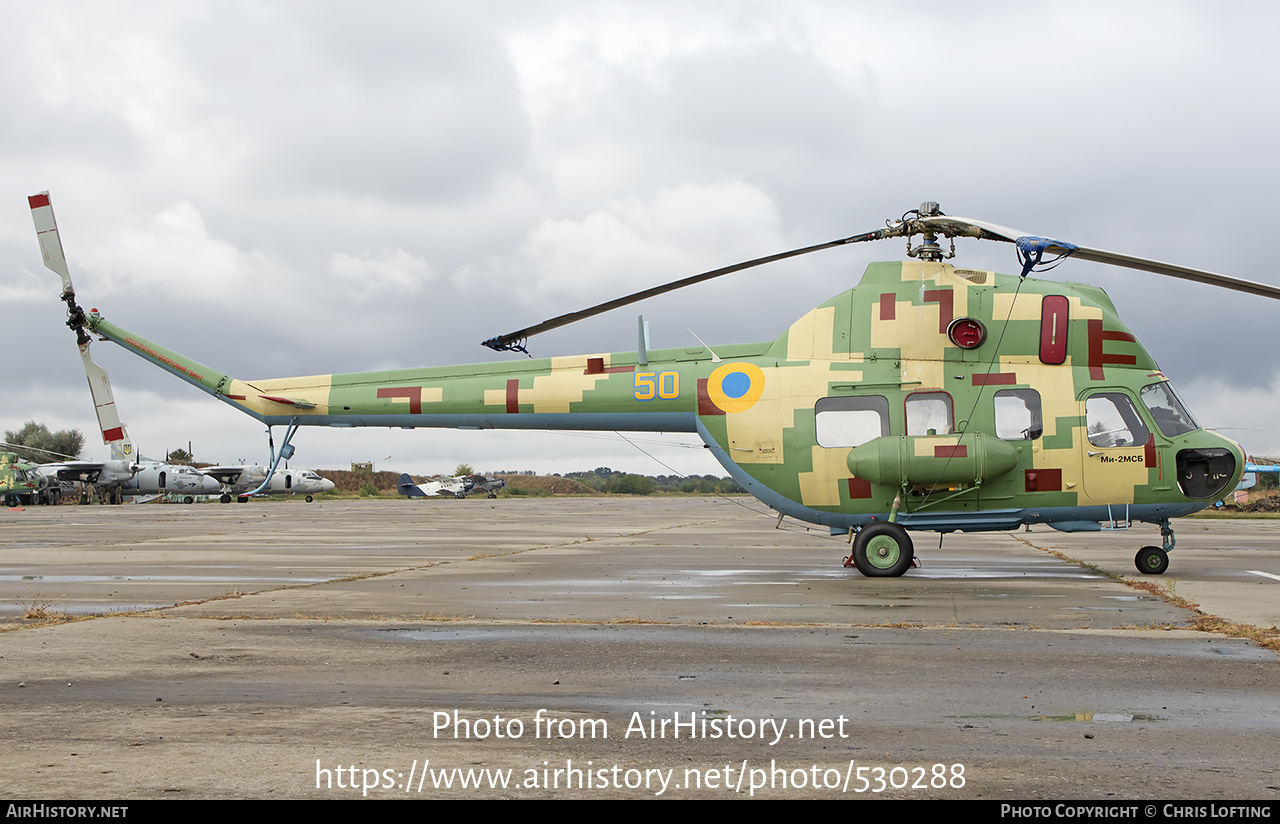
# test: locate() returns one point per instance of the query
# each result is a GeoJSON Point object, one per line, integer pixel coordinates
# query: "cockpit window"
{"type": "Point", "coordinates": [1167, 409]}
{"type": "Point", "coordinates": [1113, 421]}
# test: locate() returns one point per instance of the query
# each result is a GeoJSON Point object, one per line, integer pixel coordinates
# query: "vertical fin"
{"type": "Point", "coordinates": [642, 344]}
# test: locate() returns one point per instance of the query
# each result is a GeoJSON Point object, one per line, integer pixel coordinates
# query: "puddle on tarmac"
{"type": "Point", "coordinates": [1010, 595]}
{"type": "Point", "coordinates": [451, 635]}
{"type": "Point", "coordinates": [576, 633]}
{"type": "Point", "coordinates": [975, 573]}
{"type": "Point", "coordinates": [545, 632]}
{"type": "Point", "coordinates": [1086, 716]}
{"type": "Point", "coordinates": [84, 609]}
{"type": "Point", "coordinates": [1104, 717]}
{"type": "Point", "coordinates": [182, 579]}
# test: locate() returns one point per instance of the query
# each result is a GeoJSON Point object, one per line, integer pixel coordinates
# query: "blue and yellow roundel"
{"type": "Point", "coordinates": [735, 387]}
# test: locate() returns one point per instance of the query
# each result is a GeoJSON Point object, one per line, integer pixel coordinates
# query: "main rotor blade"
{"type": "Point", "coordinates": [967, 227]}
{"type": "Point", "coordinates": [512, 339]}
{"type": "Point", "coordinates": [1265, 290]}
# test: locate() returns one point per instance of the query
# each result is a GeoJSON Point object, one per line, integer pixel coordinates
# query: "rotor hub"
{"type": "Point", "coordinates": [929, 250]}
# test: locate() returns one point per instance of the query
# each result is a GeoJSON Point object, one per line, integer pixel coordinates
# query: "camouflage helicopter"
{"type": "Point", "coordinates": [927, 397]}
{"type": "Point", "coordinates": [22, 483]}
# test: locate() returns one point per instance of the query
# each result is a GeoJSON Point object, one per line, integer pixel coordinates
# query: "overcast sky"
{"type": "Point", "coordinates": [283, 189]}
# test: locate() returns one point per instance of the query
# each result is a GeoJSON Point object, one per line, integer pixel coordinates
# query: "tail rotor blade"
{"type": "Point", "coordinates": [47, 234]}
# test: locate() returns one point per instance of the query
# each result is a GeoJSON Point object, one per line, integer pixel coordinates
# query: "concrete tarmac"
{"type": "Point", "coordinates": [537, 646]}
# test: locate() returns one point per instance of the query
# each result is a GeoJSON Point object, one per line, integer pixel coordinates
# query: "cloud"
{"type": "Point", "coordinates": [175, 255]}
{"type": "Point", "coordinates": [382, 275]}
{"type": "Point", "coordinates": [635, 243]}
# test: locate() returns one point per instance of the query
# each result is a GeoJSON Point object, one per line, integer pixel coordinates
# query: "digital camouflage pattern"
{"type": "Point", "coordinates": [758, 409]}
{"type": "Point", "coordinates": [20, 481]}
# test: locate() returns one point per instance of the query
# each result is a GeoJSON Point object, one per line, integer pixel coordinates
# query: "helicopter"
{"type": "Point", "coordinates": [927, 397]}
{"type": "Point", "coordinates": [22, 483]}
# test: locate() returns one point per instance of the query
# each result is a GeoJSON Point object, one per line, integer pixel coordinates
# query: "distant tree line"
{"type": "Point", "coordinates": [44, 446]}
{"type": "Point", "coordinates": [604, 479]}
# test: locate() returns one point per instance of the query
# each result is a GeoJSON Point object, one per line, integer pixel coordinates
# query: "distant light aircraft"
{"type": "Point", "coordinates": [444, 486]}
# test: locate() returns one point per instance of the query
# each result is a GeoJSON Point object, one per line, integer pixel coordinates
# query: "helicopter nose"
{"type": "Point", "coordinates": [1208, 470]}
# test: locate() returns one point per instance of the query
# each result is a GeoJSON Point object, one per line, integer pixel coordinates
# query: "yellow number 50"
{"type": "Point", "coordinates": [650, 385]}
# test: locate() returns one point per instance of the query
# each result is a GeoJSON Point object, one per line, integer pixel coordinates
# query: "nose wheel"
{"type": "Point", "coordinates": [1154, 560]}
{"type": "Point", "coordinates": [1151, 560]}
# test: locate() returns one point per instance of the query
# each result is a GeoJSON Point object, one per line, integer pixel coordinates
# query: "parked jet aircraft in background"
{"type": "Point", "coordinates": [444, 486]}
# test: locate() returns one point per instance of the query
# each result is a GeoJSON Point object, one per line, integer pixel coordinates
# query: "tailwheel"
{"type": "Point", "coordinates": [883, 550]}
{"type": "Point", "coordinates": [1151, 560]}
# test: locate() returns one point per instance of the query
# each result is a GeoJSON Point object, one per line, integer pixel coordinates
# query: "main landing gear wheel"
{"type": "Point", "coordinates": [883, 550]}
{"type": "Point", "coordinates": [1151, 560]}
{"type": "Point", "coordinates": [226, 499]}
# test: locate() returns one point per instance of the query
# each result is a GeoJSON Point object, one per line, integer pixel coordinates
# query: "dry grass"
{"type": "Point", "coordinates": [40, 612]}
{"type": "Point", "coordinates": [1165, 590]}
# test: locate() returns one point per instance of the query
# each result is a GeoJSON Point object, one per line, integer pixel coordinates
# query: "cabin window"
{"type": "Point", "coordinates": [845, 422]}
{"type": "Point", "coordinates": [1112, 420]}
{"type": "Point", "coordinates": [929, 413]}
{"type": "Point", "coordinates": [1167, 410]}
{"type": "Point", "coordinates": [1018, 415]}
